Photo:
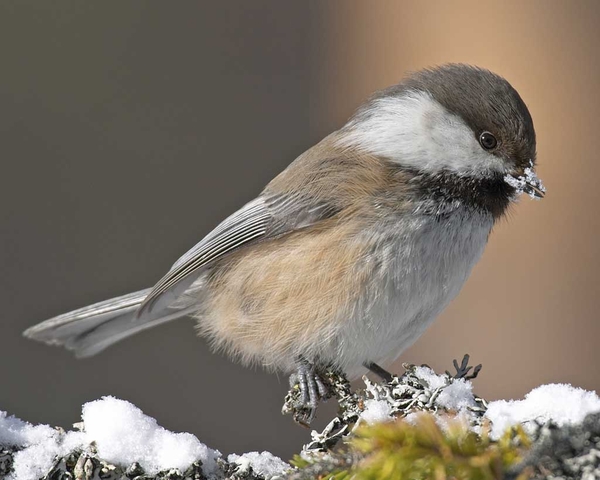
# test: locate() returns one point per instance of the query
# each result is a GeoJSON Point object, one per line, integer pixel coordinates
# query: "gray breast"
{"type": "Point", "coordinates": [417, 265]}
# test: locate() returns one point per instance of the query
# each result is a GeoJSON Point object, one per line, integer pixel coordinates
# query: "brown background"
{"type": "Point", "coordinates": [128, 130]}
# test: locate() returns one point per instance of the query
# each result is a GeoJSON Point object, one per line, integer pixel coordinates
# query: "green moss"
{"type": "Point", "coordinates": [422, 450]}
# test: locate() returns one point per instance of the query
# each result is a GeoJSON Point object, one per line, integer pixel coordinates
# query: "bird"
{"type": "Point", "coordinates": [349, 254]}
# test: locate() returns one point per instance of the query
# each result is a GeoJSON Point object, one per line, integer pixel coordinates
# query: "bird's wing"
{"type": "Point", "coordinates": [264, 217]}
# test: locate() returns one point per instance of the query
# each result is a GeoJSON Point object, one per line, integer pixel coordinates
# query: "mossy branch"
{"type": "Point", "coordinates": [428, 435]}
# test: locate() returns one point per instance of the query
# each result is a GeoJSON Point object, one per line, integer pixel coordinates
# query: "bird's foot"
{"type": "Point", "coordinates": [462, 371]}
{"type": "Point", "coordinates": [308, 387]}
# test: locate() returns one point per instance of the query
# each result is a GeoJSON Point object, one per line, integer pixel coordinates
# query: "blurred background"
{"type": "Point", "coordinates": [129, 129]}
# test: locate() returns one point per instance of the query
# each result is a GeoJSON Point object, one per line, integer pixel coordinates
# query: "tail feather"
{"type": "Point", "coordinates": [89, 330]}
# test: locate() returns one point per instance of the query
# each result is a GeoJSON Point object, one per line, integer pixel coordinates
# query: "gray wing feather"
{"type": "Point", "coordinates": [99, 312]}
{"type": "Point", "coordinates": [264, 217]}
{"type": "Point", "coordinates": [88, 330]}
{"type": "Point", "coordinates": [247, 224]}
{"type": "Point", "coordinates": [91, 329]}
{"type": "Point", "coordinates": [251, 211]}
{"type": "Point", "coordinates": [58, 330]}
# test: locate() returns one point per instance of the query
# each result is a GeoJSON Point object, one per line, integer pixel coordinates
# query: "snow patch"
{"type": "Point", "coordinates": [377, 411]}
{"type": "Point", "coordinates": [121, 432]}
{"type": "Point", "coordinates": [40, 445]}
{"type": "Point", "coordinates": [456, 395]}
{"type": "Point", "coordinates": [432, 380]}
{"type": "Point", "coordinates": [264, 464]}
{"type": "Point", "coordinates": [14, 431]}
{"type": "Point", "coordinates": [124, 434]}
{"type": "Point", "coordinates": [560, 403]}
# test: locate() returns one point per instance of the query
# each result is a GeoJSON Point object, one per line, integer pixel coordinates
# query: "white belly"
{"type": "Point", "coordinates": [413, 276]}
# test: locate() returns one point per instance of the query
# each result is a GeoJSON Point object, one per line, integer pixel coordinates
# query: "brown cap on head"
{"type": "Point", "coordinates": [486, 102]}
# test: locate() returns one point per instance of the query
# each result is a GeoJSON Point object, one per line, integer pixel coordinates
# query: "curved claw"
{"type": "Point", "coordinates": [312, 388]}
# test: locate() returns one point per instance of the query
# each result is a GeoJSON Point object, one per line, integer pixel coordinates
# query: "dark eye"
{"type": "Point", "coordinates": [488, 141]}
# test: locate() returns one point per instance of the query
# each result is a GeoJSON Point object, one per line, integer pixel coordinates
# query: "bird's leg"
{"type": "Point", "coordinates": [379, 371]}
{"type": "Point", "coordinates": [313, 388]}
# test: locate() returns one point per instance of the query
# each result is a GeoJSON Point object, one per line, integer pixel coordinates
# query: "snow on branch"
{"type": "Point", "coordinates": [418, 425]}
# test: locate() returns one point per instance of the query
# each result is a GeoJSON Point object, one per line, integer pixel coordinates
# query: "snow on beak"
{"type": "Point", "coordinates": [528, 183]}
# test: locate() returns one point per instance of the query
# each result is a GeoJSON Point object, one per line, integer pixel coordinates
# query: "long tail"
{"type": "Point", "coordinates": [91, 329]}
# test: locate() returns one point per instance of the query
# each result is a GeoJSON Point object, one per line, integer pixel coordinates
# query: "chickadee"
{"type": "Point", "coordinates": [349, 254]}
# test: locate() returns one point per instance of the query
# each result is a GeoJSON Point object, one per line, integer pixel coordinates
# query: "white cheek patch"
{"type": "Point", "coordinates": [416, 131]}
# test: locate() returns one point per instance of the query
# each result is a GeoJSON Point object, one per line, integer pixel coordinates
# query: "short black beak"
{"type": "Point", "coordinates": [535, 191]}
{"type": "Point", "coordinates": [527, 182]}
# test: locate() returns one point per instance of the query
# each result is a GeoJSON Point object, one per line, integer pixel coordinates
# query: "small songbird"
{"type": "Point", "coordinates": [349, 254]}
